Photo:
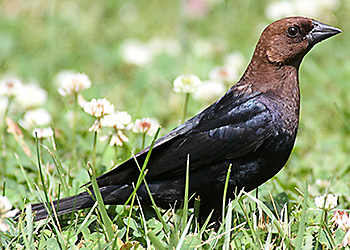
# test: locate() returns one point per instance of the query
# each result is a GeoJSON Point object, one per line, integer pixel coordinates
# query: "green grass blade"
{"type": "Point", "coordinates": [342, 116]}
{"type": "Point", "coordinates": [107, 223]}
{"type": "Point", "coordinates": [237, 202]}
{"type": "Point", "coordinates": [158, 244]}
{"type": "Point", "coordinates": [40, 170]}
{"type": "Point", "coordinates": [59, 168]}
{"type": "Point", "coordinates": [29, 183]}
{"type": "Point", "coordinates": [29, 219]}
{"type": "Point", "coordinates": [271, 215]}
{"type": "Point", "coordinates": [268, 243]}
{"type": "Point", "coordinates": [185, 202]}
{"type": "Point", "coordinates": [225, 192]}
{"type": "Point", "coordinates": [205, 224]}
{"type": "Point", "coordinates": [141, 177]}
{"type": "Point", "coordinates": [301, 230]}
{"type": "Point", "coordinates": [184, 233]}
{"type": "Point", "coordinates": [23, 234]}
{"type": "Point", "coordinates": [86, 219]}
{"type": "Point", "coordinates": [143, 221]}
{"type": "Point", "coordinates": [142, 172]}
{"type": "Point", "coordinates": [228, 222]}
{"type": "Point", "coordinates": [129, 216]}
{"type": "Point", "coordinates": [154, 205]}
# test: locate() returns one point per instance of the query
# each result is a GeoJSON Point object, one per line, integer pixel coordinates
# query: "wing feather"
{"type": "Point", "coordinates": [222, 131]}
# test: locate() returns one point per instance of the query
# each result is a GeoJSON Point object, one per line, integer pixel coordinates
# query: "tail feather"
{"type": "Point", "coordinates": [166, 192]}
{"type": "Point", "coordinates": [63, 206]}
{"type": "Point", "coordinates": [110, 195]}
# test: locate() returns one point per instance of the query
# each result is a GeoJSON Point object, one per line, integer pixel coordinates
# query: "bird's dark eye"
{"type": "Point", "coordinates": [292, 31]}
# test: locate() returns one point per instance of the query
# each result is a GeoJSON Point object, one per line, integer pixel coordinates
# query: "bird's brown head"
{"type": "Point", "coordinates": [287, 41]}
{"type": "Point", "coordinates": [277, 57]}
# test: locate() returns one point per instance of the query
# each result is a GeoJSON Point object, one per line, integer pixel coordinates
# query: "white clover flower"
{"type": "Point", "coordinates": [37, 117]}
{"type": "Point", "coordinates": [136, 52]}
{"type": "Point", "coordinates": [96, 126]}
{"type": "Point", "coordinates": [341, 219]}
{"type": "Point", "coordinates": [209, 91]}
{"type": "Point", "coordinates": [5, 205]}
{"type": "Point", "coordinates": [99, 107]}
{"type": "Point", "coordinates": [346, 222]}
{"type": "Point", "coordinates": [5, 212]}
{"type": "Point", "coordinates": [331, 201]}
{"type": "Point", "coordinates": [117, 120]}
{"type": "Point", "coordinates": [279, 9]}
{"type": "Point", "coordinates": [337, 215]}
{"type": "Point", "coordinates": [315, 8]}
{"type": "Point", "coordinates": [31, 96]}
{"type": "Point", "coordinates": [70, 82]}
{"type": "Point", "coordinates": [81, 101]}
{"type": "Point", "coordinates": [117, 138]}
{"type": "Point", "coordinates": [9, 86]}
{"type": "Point", "coordinates": [226, 74]}
{"type": "Point", "coordinates": [42, 133]}
{"type": "Point", "coordinates": [235, 60]}
{"type": "Point", "coordinates": [308, 8]}
{"type": "Point", "coordinates": [146, 126]}
{"type": "Point", "coordinates": [346, 240]}
{"type": "Point", "coordinates": [186, 83]}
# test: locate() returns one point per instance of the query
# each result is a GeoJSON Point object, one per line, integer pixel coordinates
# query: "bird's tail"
{"type": "Point", "coordinates": [63, 206]}
{"type": "Point", "coordinates": [80, 201]}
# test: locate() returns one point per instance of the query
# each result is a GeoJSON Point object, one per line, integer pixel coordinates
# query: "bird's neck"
{"type": "Point", "coordinates": [281, 84]}
{"type": "Point", "coordinates": [264, 76]}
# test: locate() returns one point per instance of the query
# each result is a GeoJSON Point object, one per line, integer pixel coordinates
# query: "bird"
{"type": "Point", "coordinates": [251, 129]}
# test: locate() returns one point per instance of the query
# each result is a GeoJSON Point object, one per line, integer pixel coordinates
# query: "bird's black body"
{"type": "Point", "coordinates": [252, 127]}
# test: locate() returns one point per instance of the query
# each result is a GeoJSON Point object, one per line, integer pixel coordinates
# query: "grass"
{"type": "Point", "coordinates": [40, 39]}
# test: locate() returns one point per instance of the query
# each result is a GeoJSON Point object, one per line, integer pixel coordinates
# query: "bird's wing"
{"type": "Point", "coordinates": [224, 132]}
{"type": "Point", "coordinates": [232, 127]}
{"type": "Point", "coordinates": [214, 115]}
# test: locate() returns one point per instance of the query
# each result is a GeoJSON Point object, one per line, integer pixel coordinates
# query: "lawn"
{"type": "Point", "coordinates": [130, 52]}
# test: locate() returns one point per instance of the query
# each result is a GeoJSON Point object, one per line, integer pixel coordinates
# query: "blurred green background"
{"type": "Point", "coordinates": [40, 38]}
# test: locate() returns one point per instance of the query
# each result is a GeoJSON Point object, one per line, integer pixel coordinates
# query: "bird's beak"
{"type": "Point", "coordinates": [320, 32]}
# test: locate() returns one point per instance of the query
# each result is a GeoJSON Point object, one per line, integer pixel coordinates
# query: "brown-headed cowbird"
{"type": "Point", "coordinates": [252, 128]}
